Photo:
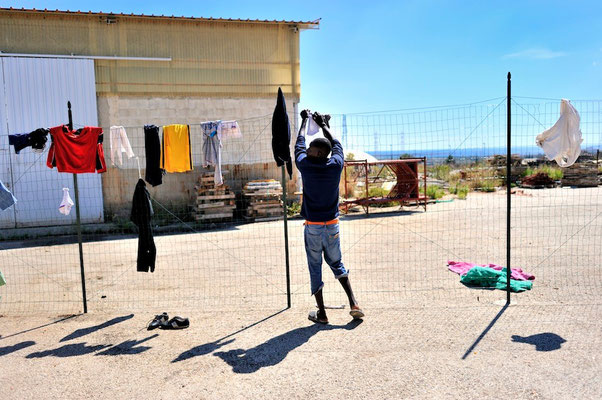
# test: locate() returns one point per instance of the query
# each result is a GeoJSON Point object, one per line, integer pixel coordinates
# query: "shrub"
{"type": "Point", "coordinates": [462, 191]}
{"type": "Point", "coordinates": [434, 192]}
{"type": "Point", "coordinates": [378, 191]}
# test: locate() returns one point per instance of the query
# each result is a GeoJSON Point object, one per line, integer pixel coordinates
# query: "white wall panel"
{"type": "Point", "coordinates": [37, 91]}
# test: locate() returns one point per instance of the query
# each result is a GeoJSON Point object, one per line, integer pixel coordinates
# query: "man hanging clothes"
{"type": "Point", "coordinates": [142, 212]}
{"type": "Point", "coordinates": [281, 135]}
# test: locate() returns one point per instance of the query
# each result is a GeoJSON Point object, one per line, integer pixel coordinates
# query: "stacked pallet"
{"type": "Point", "coordinates": [584, 174]}
{"type": "Point", "coordinates": [213, 203]}
{"type": "Point", "coordinates": [263, 198]}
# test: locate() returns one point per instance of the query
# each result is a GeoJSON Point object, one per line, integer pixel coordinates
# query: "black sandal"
{"type": "Point", "coordinates": [177, 323]}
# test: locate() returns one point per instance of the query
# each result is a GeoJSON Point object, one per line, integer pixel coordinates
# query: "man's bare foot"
{"type": "Point", "coordinates": [356, 312]}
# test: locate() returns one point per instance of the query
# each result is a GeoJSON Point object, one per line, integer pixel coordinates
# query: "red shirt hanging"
{"type": "Point", "coordinates": [78, 151]}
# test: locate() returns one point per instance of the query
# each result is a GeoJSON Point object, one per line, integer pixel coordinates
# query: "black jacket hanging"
{"type": "Point", "coordinates": [154, 173]}
{"type": "Point", "coordinates": [142, 212]}
{"type": "Point", "coordinates": [281, 135]}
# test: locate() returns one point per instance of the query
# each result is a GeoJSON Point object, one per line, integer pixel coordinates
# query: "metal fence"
{"type": "Point", "coordinates": [397, 255]}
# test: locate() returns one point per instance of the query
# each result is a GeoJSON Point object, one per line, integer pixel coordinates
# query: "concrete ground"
{"type": "Point", "coordinates": [425, 334]}
{"type": "Point", "coordinates": [470, 352]}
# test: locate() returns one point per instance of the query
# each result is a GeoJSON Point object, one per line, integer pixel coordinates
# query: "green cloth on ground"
{"type": "Point", "coordinates": [488, 277]}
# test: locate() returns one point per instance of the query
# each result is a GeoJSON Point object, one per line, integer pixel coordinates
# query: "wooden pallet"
{"type": "Point", "coordinates": [213, 203]}
{"type": "Point", "coordinates": [263, 198]}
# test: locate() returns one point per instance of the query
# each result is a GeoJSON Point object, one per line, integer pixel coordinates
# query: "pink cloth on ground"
{"type": "Point", "coordinates": [462, 268]}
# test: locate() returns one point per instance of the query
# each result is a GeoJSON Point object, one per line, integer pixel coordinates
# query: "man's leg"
{"type": "Point", "coordinates": [333, 257]}
{"type": "Point", "coordinates": [347, 287]}
{"type": "Point", "coordinates": [313, 250]}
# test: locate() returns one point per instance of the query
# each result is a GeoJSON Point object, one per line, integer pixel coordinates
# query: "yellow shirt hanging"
{"type": "Point", "coordinates": [176, 155]}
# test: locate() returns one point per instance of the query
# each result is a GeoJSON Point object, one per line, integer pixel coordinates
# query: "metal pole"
{"type": "Point", "coordinates": [288, 272]}
{"type": "Point", "coordinates": [508, 189]}
{"type": "Point", "coordinates": [78, 224]}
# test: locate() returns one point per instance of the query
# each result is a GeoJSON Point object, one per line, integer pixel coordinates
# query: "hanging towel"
{"type": "Point", "coordinates": [562, 142]}
{"type": "Point", "coordinates": [212, 149]}
{"type": "Point", "coordinates": [76, 151]}
{"type": "Point", "coordinates": [142, 212]}
{"type": "Point", "coordinates": [119, 144]}
{"type": "Point", "coordinates": [281, 134]}
{"type": "Point", "coordinates": [176, 155]}
{"type": "Point", "coordinates": [230, 129]}
{"type": "Point", "coordinates": [66, 203]}
{"type": "Point", "coordinates": [152, 145]}
{"type": "Point", "coordinates": [6, 198]}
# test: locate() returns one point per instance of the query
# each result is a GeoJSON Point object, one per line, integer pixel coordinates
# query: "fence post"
{"type": "Point", "coordinates": [508, 189]}
{"type": "Point", "coordinates": [78, 223]}
{"type": "Point", "coordinates": [288, 274]}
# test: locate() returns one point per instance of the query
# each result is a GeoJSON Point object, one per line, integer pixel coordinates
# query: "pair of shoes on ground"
{"type": "Point", "coordinates": [162, 321]}
{"type": "Point", "coordinates": [315, 316]}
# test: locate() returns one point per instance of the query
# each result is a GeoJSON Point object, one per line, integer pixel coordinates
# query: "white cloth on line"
{"type": "Point", "coordinates": [312, 127]}
{"type": "Point", "coordinates": [212, 149]}
{"type": "Point", "coordinates": [229, 129]}
{"type": "Point", "coordinates": [562, 142]}
{"type": "Point", "coordinates": [119, 144]}
{"type": "Point", "coordinates": [66, 203]}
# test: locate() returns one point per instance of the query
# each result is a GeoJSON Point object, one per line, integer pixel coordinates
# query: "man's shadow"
{"type": "Point", "coordinates": [542, 341]}
{"type": "Point", "coordinates": [276, 349]}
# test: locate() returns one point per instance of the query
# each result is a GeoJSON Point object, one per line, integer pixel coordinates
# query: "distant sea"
{"type": "Point", "coordinates": [525, 151]}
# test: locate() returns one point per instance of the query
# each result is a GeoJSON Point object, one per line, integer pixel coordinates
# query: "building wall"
{"type": "Point", "coordinates": [243, 159]}
{"type": "Point", "coordinates": [218, 70]}
{"type": "Point", "coordinates": [209, 58]}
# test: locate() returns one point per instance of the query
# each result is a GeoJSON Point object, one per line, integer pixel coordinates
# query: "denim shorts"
{"type": "Point", "coordinates": [323, 239]}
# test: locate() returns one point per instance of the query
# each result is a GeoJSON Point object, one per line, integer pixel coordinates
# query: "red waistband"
{"type": "Point", "coordinates": [331, 222]}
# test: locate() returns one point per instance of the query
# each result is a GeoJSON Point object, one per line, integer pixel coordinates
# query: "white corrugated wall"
{"type": "Point", "coordinates": [34, 94]}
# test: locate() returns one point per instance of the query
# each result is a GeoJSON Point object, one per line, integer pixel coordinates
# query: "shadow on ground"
{"type": "Point", "coordinates": [542, 341]}
{"type": "Point", "coordinates": [16, 347]}
{"type": "Point", "coordinates": [276, 349]}
{"type": "Point", "coordinates": [86, 331]}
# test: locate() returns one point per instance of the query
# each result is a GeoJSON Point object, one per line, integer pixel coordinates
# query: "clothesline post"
{"type": "Point", "coordinates": [508, 190]}
{"type": "Point", "coordinates": [78, 223]}
{"type": "Point", "coordinates": [288, 274]}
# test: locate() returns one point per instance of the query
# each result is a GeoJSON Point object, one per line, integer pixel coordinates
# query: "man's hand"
{"type": "Point", "coordinates": [305, 114]}
{"type": "Point", "coordinates": [320, 119]}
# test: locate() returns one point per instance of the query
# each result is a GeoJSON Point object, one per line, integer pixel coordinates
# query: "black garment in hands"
{"type": "Point", "coordinates": [281, 135]}
{"type": "Point", "coordinates": [154, 173]}
{"type": "Point", "coordinates": [142, 212]}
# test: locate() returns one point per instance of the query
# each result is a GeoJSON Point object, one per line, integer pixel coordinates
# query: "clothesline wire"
{"type": "Point", "coordinates": [477, 126]}
{"type": "Point", "coordinates": [35, 269]}
{"type": "Point", "coordinates": [550, 254]}
{"type": "Point", "coordinates": [531, 115]}
{"type": "Point", "coordinates": [253, 142]}
{"type": "Point", "coordinates": [189, 124]}
{"type": "Point", "coordinates": [421, 108]}
{"type": "Point", "coordinates": [127, 269]}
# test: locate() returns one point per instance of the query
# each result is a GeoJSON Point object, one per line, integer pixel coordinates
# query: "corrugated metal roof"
{"type": "Point", "coordinates": [301, 24]}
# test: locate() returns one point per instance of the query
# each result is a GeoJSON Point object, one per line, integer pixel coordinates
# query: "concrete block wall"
{"type": "Point", "coordinates": [246, 158]}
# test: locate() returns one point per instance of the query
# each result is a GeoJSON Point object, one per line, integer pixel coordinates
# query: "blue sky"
{"type": "Point", "coordinates": [384, 55]}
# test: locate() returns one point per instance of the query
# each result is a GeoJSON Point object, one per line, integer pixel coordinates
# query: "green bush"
{"type": "Point", "coordinates": [293, 209]}
{"type": "Point", "coordinates": [553, 172]}
{"type": "Point", "coordinates": [462, 191]}
{"type": "Point", "coordinates": [378, 191]}
{"type": "Point", "coordinates": [434, 192]}
{"type": "Point", "coordinates": [441, 172]}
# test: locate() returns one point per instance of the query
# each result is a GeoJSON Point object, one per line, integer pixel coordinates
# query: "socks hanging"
{"type": "Point", "coordinates": [67, 203]}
